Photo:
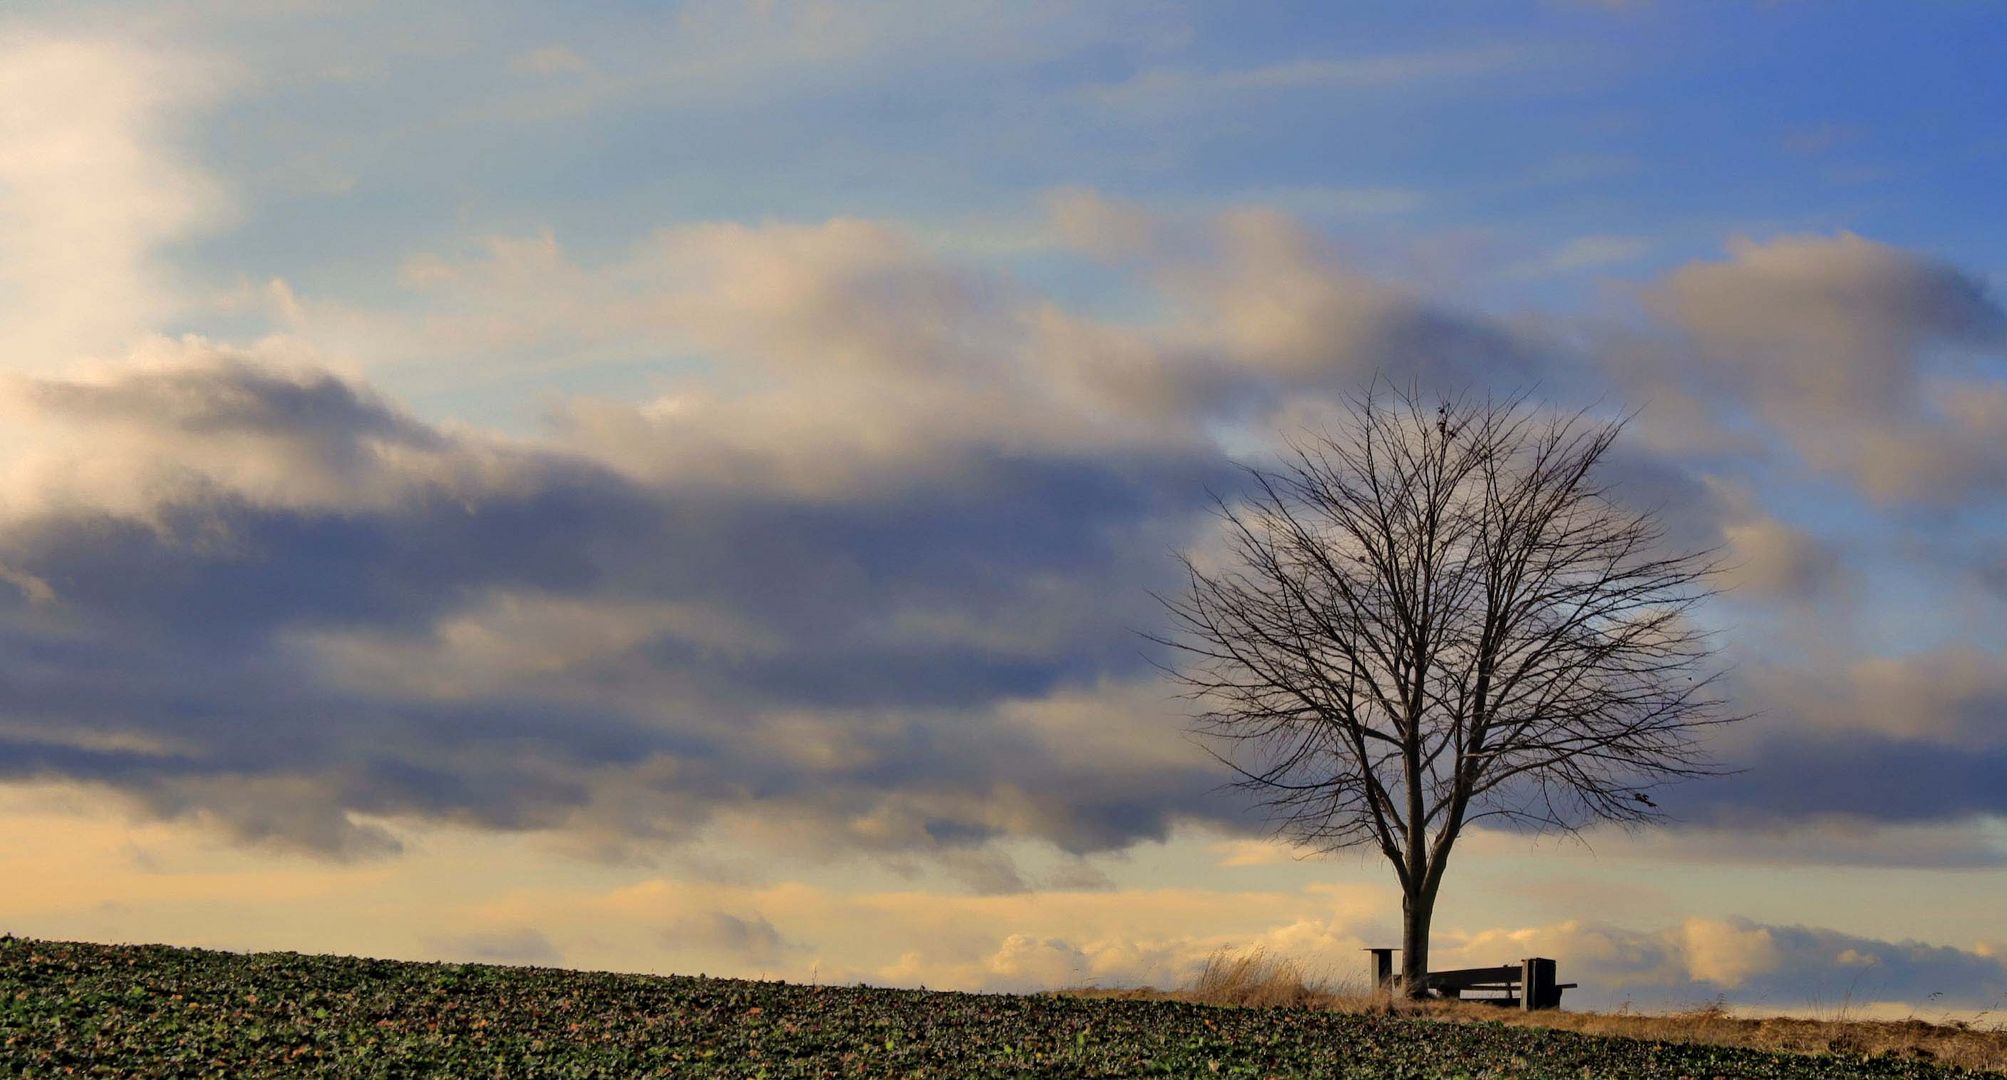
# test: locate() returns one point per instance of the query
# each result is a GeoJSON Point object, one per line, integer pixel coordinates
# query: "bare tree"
{"type": "Point", "coordinates": [1438, 616]}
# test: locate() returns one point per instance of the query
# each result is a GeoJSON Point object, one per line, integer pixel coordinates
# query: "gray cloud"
{"type": "Point", "coordinates": [1992, 575]}
{"type": "Point", "coordinates": [1856, 741]}
{"type": "Point", "coordinates": [1770, 560]}
{"type": "Point", "coordinates": [853, 600]}
{"type": "Point", "coordinates": [1837, 838]}
{"type": "Point", "coordinates": [1834, 343]}
{"type": "Point", "coordinates": [749, 938]}
{"type": "Point", "coordinates": [885, 587]}
{"type": "Point", "coordinates": [1808, 773]}
{"type": "Point", "coordinates": [1825, 323]}
{"type": "Point", "coordinates": [1954, 696]}
{"type": "Point", "coordinates": [1267, 310]}
{"type": "Point", "coordinates": [520, 946]}
{"type": "Point", "coordinates": [1753, 965]}
{"type": "Point", "coordinates": [331, 419]}
{"type": "Point", "coordinates": [522, 638]}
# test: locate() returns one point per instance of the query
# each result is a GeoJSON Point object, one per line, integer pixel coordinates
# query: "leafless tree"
{"type": "Point", "coordinates": [1436, 616]}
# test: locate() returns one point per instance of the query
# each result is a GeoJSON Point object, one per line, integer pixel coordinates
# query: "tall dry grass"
{"type": "Point", "coordinates": [1258, 978]}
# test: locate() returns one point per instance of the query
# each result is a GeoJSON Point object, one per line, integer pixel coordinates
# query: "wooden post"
{"type": "Point", "coordinates": [1383, 968]}
{"type": "Point", "coordinates": [1536, 984]}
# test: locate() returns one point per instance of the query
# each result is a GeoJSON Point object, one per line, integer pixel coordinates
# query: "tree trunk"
{"type": "Point", "coordinates": [1416, 909]}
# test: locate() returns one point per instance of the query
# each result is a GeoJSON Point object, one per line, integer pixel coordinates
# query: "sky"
{"type": "Point", "coordinates": [679, 487]}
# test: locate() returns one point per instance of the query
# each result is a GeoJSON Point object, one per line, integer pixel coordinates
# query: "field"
{"type": "Point", "coordinates": [71, 1009]}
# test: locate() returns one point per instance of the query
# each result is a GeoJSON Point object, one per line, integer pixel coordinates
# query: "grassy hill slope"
{"type": "Point", "coordinates": [70, 1009]}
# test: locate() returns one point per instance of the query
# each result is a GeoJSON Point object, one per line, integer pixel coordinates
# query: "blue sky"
{"type": "Point", "coordinates": [1539, 126]}
{"type": "Point", "coordinates": [671, 486]}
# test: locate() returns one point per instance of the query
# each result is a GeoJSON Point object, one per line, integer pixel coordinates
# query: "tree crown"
{"type": "Point", "coordinates": [1437, 613]}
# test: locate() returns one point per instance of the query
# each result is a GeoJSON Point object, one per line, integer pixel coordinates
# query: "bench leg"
{"type": "Point", "coordinates": [1536, 984]}
{"type": "Point", "coordinates": [1382, 969]}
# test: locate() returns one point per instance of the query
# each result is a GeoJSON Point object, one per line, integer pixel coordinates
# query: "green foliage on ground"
{"type": "Point", "coordinates": [152, 1011]}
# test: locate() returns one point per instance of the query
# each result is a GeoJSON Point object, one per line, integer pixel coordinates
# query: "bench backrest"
{"type": "Point", "coordinates": [1475, 978]}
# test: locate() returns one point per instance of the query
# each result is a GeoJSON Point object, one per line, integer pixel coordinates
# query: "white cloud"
{"type": "Point", "coordinates": [1727, 954]}
{"type": "Point", "coordinates": [91, 186]}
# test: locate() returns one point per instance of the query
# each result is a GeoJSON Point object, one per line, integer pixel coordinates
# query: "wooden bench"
{"type": "Point", "coordinates": [1528, 984]}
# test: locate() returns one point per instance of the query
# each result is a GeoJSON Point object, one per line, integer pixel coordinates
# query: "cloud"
{"type": "Point", "coordinates": [835, 357]}
{"type": "Point", "coordinates": [1766, 562]}
{"type": "Point", "coordinates": [848, 354]}
{"type": "Point", "coordinates": [521, 946]}
{"type": "Point", "coordinates": [1727, 954]}
{"type": "Point", "coordinates": [1831, 342]}
{"type": "Point", "coordinates": [1797, 775]}
{"type": "Point", "coordinates": [1825, 322]}
{"type": "Point", "coordinates": [1085, 220]}
{"type": "Point", "coordinates": [320, 607]}
{"type": "Point", "coordinates": [1584, 253]}
{"type": "Point", "coordinates": [1252, 852]}
{"type": "Point", "coordinates": [1838, 838]}
{"type": "Point", "coordinates": [1992, 575]}
{"type": "Point", "coordinates": [867, 566]}
{"type": "Point", "coordinates": [744, 939]}
{"type": "Point", "coordinates": [479, 896]}
{"type": "Point", "coordinates": [91, 186]}
{"type": "Point", "coordinates": [1316, 202]}
{"type": "Point", "coordinates": [1770, 559]}
{"type": "Point", "coordinates": [1756, 967]}
{"type": "Point", "coordinates": [880, 578]}
{"type": "Point", "coordinates": [1842, 744]}
{"type": "Point", "coordinates": [1160, 87]}
{"type": "Point", "coordinates": [1162, 937]}
{"type": "Point", "coordinates": [1952, 696]}
{"type": "Point", "coordinates": [1266, 313]}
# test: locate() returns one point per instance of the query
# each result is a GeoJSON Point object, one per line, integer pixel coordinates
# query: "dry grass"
{"type": "Point", "coordinates": [1254, 979]}
{"type": "Point", "coordinates": [1948, 1044]}
{"type": "Point", "coordinates": [1261, 979]}
{"type": "Point", "coordinates": [1258, 978]}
